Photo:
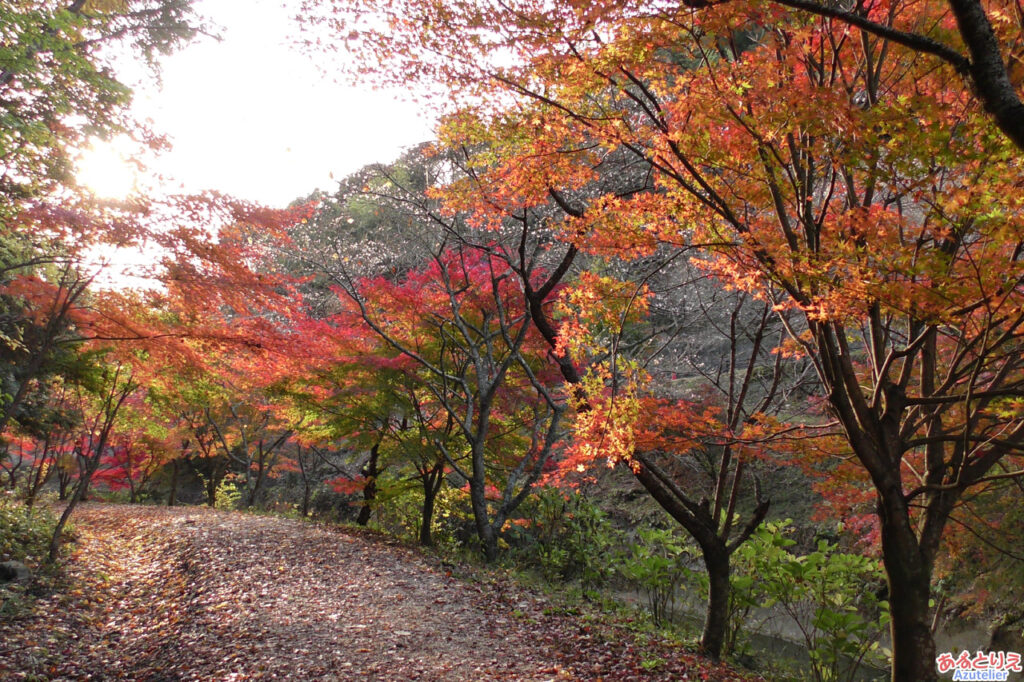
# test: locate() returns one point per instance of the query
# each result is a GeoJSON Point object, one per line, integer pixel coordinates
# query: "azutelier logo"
{"type": "Point", "coordinates": [983, 666]}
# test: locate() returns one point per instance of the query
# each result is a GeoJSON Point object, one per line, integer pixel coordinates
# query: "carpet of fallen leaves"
{"type": "Point", "coordinates": [162, 594]}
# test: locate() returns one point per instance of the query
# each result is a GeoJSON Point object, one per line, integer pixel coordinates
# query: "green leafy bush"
{"type": "Point", "coordinates": [658, 566]}
{"type": "Point", "coordinates": [398, 508]}
{"type": "Point", "coordinates": [567, 537]}
{"type": "Point", "coordinates": [830, 595]}
{"type": "Point", "coordinates": [452, 524]}
{"type": "Point", "coordinates": [227, 495]}
{"type": "Point", "coordinates": [24, 533]}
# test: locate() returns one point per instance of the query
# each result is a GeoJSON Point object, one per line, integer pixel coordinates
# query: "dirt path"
{"type": "Point", "coordinates": [193, 594]}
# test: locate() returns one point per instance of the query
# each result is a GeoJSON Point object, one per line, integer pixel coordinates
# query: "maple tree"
{"type": "Point", "coordinates": [114, 386]}
{"type": "Point", "coordinates": [58, 85]}
{"type": "Point", "coordinates": [990, 55]}
{"type": "Point", "coordinates": [696, 452]}
{"type": "Point", "coordinates": [603, 350]}
{"type": "Point", "coordinates": [245, 432]}
{"type": "Point", "coordinates": [212, 327]}
{"type": "Point", "coordinates": [164, 428]}
{"type": "Point", "coordinates": [139, 448]}
{"type": "Point", "coordinates": [59, 322]}
{"type": "Point", "coordinates": [131, 337]}
{"type": "Point", "coordinates": [319, 387]}
{"type": "Point", "coordinates": [40, 320]}
{"type": "Point", "coordinates": [826, 170]}
{"type": "Point", "coordinates": [216, 417]}
{"type": "Point", "coordinates": [50, 307]}
{"type": "Point", "coordinates": [59, 92]}
{"type": "Point", "coordinates": [457, 326]}
{"type": "Point", "coordinates": [47, 447]}
{"type": "Point", "coordinates": [199, 451]}
{"type": "Point", "coordinates": [610, 395]}
{"type": "Point", "coordinates": [353, 393]}
{"type": "Point", "coordinates": [470, 337]}
{"type": "Point", "coordinates": [50, 311]}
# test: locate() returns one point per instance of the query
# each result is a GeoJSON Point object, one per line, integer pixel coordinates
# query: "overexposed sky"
{"type": "Point", "coordinates": [252, 117]}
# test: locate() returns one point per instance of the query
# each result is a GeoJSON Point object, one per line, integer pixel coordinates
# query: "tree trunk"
{"type": "Point", "coordinates": [41, 476]}
{"type": "Point", "coordinates": [427, 517]}
{"type": "Point", "coordinates": [431, 487]}
{"type": "Point", "coordinates": [77, 496]}
{"type": "Point", "coordinates": [371, 472]}
{"type": "Point", "coordinates": [369, 493]}
{"type": "Point", "coordinates": [716, 618]}
{"type": "Point", "coordinates": [84, 496]}
{"type": "Point", "coordinates": [63, 480]}
{"type": "Point", "coordinates": [12, 476]}
{"type": "Point", "coordinates": [173, 494]}
{"type": "Point", "coordinates": [305, 480]}
{"type": "Point", "coordinates": [58, 531]}
{"type": "Point", "coordinates": [478, 501]}
{"type": "Point", "coordinates": [489, 542]}
{"type": "Point", "coordinates": [33, 489]}
{"type": "Point", "coordinates": [696, 519]}
{"type": "Point", "coordinates": [258, 485]}
{"type": "Point", "coordinates": [909, 578]}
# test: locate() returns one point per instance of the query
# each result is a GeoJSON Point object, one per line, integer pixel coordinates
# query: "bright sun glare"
{"type": "Point", "coordinates": [106, 170]}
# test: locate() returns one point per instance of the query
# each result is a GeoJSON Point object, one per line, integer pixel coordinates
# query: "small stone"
{"type": "Point", "coordinates": [13, 571]}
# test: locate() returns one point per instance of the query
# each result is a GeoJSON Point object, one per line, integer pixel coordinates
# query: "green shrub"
{"type": "Point", "coordinates": [227, 496]}
{"type": "Point", "coordinates": [658, 566]}
{"type": "Point", "coordinates": [830, 595]}
{"type": "Point", "coordinates": [398, 508]}
{"type": "Point", "coordinates": [567, 537]}
{"type": "Point", "coordinates": [24, 533]}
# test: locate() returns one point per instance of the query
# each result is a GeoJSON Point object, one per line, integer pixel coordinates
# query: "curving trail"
{"type": "Point", "coordinates": [194, 594]}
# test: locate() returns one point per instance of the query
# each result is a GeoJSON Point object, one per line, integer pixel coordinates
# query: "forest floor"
{"type": "Point", "coordinates": [187, 593]}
